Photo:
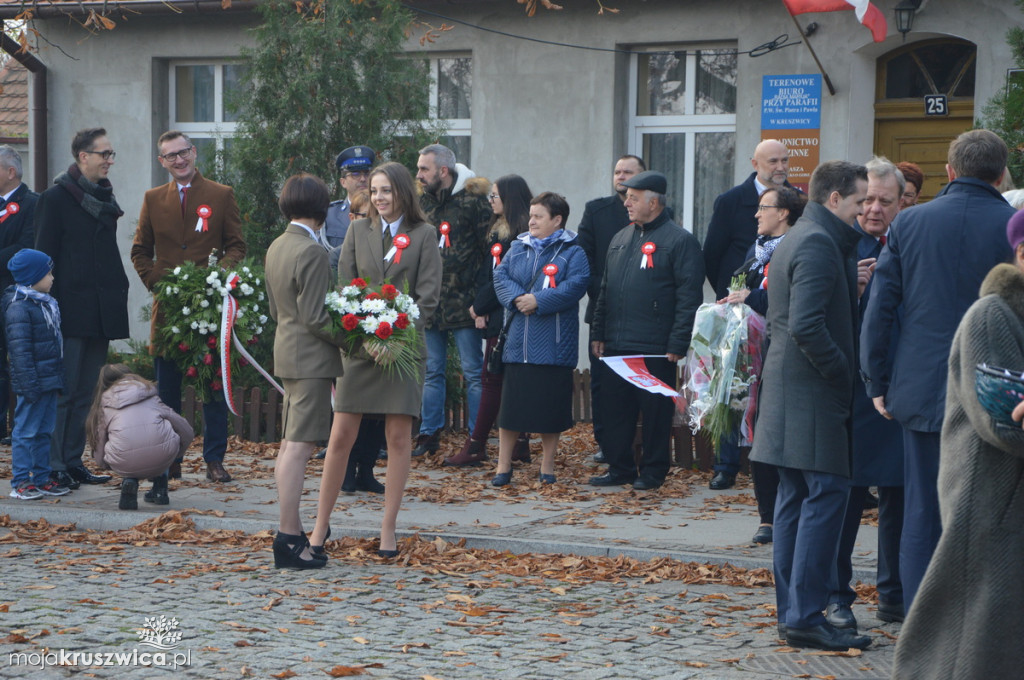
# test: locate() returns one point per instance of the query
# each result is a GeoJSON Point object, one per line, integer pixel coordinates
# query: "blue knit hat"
{"type": "Point", "coordinates": [29, 267]}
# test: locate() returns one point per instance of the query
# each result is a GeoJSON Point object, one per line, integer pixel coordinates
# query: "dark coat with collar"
{"type": "Point", "coordinates": [804, 410]}
{"type": "Point", "coordinates": [877, 441]}
{"type": "Point", "coordinates": [964, 623]}
{"type": "Point", "coordinates": [732, 230]}
{"type": "Point", "coordinates": [649, 311]}
{"type": "Point", "coordinates": [932, 266]}
{"type": "Point", "coordinates": [90, 284]}
{"type": "Point", "coordinates": [17, 231]}
{"type": "Point", "coordinates": [603, 218]}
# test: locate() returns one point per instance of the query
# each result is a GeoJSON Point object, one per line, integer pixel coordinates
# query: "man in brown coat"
{"type": "Point", "coordinates": [172, 231]}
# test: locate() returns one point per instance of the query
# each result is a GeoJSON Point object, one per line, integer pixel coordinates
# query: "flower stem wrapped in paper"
{"type": "Point", "coordinates": [723, 371]}
{"type": "Point", "coordinates": [380, 321]}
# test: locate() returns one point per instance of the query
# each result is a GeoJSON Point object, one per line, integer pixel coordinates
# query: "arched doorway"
{"type": "Point", "coordinates": [903, 132]}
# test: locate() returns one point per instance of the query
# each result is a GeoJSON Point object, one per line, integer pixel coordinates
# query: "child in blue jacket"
{"type": "Point", "coordinates": [36, 349]}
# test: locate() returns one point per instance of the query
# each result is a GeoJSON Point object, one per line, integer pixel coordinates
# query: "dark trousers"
{"type": "Point", "coordinates": [215, 413]}
{"type": "Point", "coordinates": [5, 383]}
{"type": "Point", "coordinates": [890, 526]}
{"type": "Point", "coordinates": [490, 397]}
{"type": "Point", "coordinates": [766, 489]}
{"type": "Point", "coordinates": [369, 441]}
{"type": "Point", "coordinates": [922, 524]}
{"type": "Point", "coordinates": [621, 404]}
{"type": "Point", "coordinates": [727, 459]}
{"type": "Point", "coordinates": [599, 373]}
{"type": "Point", "coordinates": [808, 521]}
{"type": "Point", "coordinates": [83, 359]}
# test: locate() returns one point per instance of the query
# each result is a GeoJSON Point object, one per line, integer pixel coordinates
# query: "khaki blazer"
{"type": "Point", "coordinates": [364, 388]}
{"type": "Point", "coordinates": [298, 277]}
{"type": "Point", "coordinates": [166, 236]}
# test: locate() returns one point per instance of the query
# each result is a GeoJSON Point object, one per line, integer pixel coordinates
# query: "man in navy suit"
{"type": "Point", "coordinates": [731, 232]}
{"type": "Point", "coordinates": [877, 442]}
{"type": "Point", "coordinates": [931, 270]}
{"type": "Point", "coordinates": [602, 219]}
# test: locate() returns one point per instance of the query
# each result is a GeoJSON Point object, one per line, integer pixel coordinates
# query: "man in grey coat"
{"type": "Point", "coordinates": [804, 422]}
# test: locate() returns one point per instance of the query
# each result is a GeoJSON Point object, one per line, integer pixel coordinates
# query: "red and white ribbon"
{"type": "Point", "coordinates": [647, 259]}
{"type": "Point", "coordinates": [10, 209]}
{"type": "Point", "coordinates": [229, 310]}
{"type": "Point", "coordinates": [550, 270]}
{"type": "Point", "coordinates": [764, 280]}
{"type": "Point", "coordinates": [400, 243]}
{"type": "Point", "coordinates": [445, 241]}
{"type": "Point", "coordinates": [496, 254]}
{"type": "Point", "coordinates": [203, 223]}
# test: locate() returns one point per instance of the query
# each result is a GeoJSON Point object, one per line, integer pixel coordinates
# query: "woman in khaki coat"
{"type": "Point", "coordinates": [306, 356]}
{"type": "Point", "coordinates": [364, 387]}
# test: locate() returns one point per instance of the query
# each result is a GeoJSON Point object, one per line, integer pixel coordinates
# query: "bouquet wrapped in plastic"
{"type": "Point", "coordinates": [723, 371]}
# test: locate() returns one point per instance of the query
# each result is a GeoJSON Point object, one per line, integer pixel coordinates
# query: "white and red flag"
{"type": "Point", "coordinates": [633, 369]}
{"type": "Point", "coordinates": [867, 13]}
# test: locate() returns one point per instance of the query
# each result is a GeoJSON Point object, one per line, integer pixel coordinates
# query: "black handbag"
{"type": "Point", "coordinates": [495, 365]}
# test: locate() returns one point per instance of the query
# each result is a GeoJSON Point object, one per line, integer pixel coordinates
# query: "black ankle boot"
{"type": "Point", "coordinates": [288, 553]}
{"type": "Point", "coordinates": [158, 494]}
{"type": "Point", "coordinates": [129, 494]}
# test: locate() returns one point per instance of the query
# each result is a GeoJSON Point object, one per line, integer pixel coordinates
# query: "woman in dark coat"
{"type": "Point", "coordinates": [365, 387]}
{"type": "Point", "coordinates": [965, 620]}
{"type": "Point", "coordinates": [541, 282]}
{"type": "Point", "coordinates": [778, 210]}
{"type": "Point", "coordinates": [510, 201]}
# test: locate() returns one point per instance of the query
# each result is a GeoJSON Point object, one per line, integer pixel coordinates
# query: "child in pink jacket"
{"type": "Point", "coordinates": [135, 434]}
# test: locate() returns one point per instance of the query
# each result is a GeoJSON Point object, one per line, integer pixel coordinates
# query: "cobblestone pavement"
{"type": "Point", "coordinates": [239, 617]}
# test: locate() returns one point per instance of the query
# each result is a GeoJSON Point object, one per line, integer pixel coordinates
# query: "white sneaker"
{"type": "Point", "coordinates": [26, 493]}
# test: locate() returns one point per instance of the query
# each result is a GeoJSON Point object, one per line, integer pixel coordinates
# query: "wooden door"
{"type": "Point", "coordinates": [903, 132]}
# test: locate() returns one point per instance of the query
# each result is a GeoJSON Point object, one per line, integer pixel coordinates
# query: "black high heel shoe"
{"type": "Point", "coordinates": [288, 553]}
{"type": "Point", "coordinates": [388, 554]}
{"type": "Point", "coordinates": [318, 550]}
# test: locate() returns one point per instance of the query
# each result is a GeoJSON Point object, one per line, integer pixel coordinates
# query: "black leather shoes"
{"type": "Point", "coordinates": [890, 612]}
{"type": "Point", "coordinates": [426, 444]}
{"type": "Point", "coordinates": [841, 616]}
{"type": "Point", "coordinates": [365, 481]}
{"type": "Point", "coordinates": [608, 479]}
{"type": "Point", "coordinates": [83, 476]}
{"type": "Point", "coordinates": [826, 636]}
{"type": "Point", "coordinates": [64, 479]}
{"type": "Point", "coordinates": [642, 484]}
{"type": "Point", "coordinates": [599, 457]}
{"type": "Point", "coordinates": [722, 480]}
{"type": "Point", "coordinates": [215, 472]}
{"type": "Point", "coordinates": [764, 534]}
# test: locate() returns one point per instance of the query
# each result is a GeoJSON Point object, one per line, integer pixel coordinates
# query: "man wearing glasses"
{"type": "Point", "coordinates": [184, 221]}
{"type": "Point", "coordinates": [76, 225]}
{"type": "Point", "coordinates": [354, 163]}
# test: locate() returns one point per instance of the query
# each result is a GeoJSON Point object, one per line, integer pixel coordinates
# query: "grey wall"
{"type": "Point", "coordinates": [553, 114]}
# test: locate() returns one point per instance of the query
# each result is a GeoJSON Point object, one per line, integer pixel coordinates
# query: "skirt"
{"type": "Point", "coordinates": [536, 398]}
{"type": "Point", "coordinates": [306, 414]}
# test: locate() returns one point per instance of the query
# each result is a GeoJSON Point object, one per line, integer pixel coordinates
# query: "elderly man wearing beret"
{"type": "Point", "coordinates": [652, 285]}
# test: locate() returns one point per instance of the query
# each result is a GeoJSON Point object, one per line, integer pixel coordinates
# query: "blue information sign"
{"type": "Point", "coordinates": [791, 102]}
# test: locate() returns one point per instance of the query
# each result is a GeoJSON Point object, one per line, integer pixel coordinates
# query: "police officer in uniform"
{"type": "Point", "coordinates": [354, 163]}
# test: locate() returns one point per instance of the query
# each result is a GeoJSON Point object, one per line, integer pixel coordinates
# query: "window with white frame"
{"type": "Point", "coordinates": [451, 95]}
{"type": "Point", "coordinates": [199, 92]}
{"type": "Point", "coordinates": [683, 123]}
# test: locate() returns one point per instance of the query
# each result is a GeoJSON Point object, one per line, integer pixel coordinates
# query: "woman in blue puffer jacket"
{"type": "Point", "coordinates": [540, 282]}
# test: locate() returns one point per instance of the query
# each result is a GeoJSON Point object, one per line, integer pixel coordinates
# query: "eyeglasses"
{"type": "Point", "coordinates": [183, 154]}
{"type": "Point", "coordinates": [493, 197]}
{"type": "Point", "coordinates": [357, 173]}
{"type": "Point", "coordinates": [765, 207]}
{"type": "Point", "coordinates": [108, 155]}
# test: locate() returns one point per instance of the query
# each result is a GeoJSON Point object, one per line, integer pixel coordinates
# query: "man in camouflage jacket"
{"type": "Point", "coordinates": [455, 202]}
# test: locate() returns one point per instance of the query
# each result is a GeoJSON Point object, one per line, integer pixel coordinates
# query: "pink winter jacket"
{"type": "Point", "coordinates": [139, 436]}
